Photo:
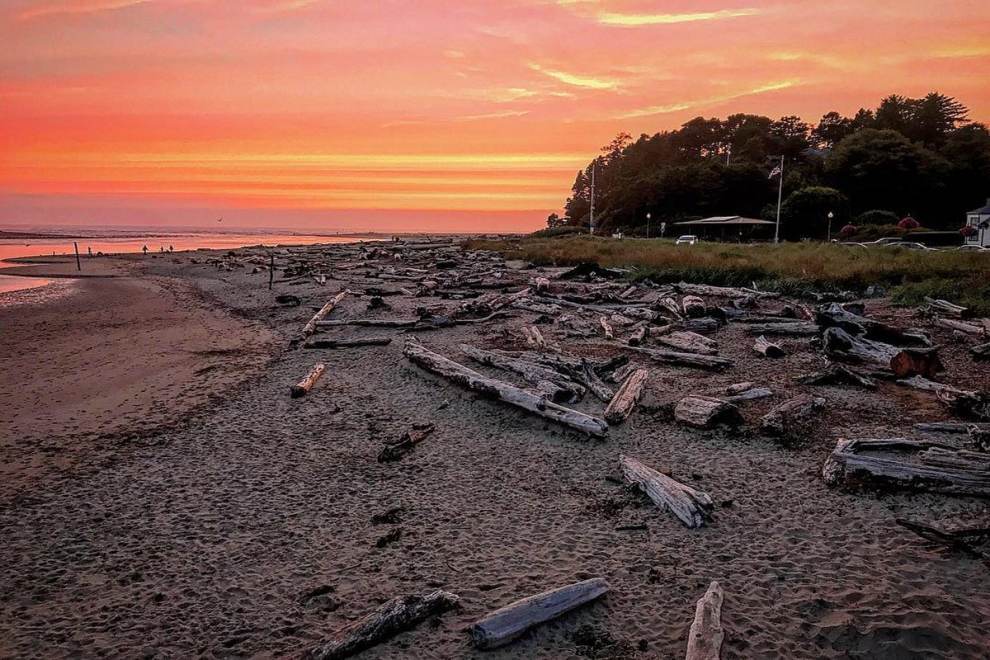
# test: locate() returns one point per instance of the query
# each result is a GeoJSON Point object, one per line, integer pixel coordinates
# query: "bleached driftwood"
{"type": "Point", "coordinates": [606, 328]}
{"type": "Point", "coordinates": [706, 636]}
{"type": "Point", "coordinates": [792, 417]}
{"type": "Point", "coordinates": [685, 359]}
{"type": "Point", "coordinates": [692, 507]}
{"type": "Point", "coordinates": [688, 342]}
{"type": "Point", "coordinates": [790, 328]}
{"type": "Point", "coordinates": [622, 404]}
{"type": "Point", "coordinates": [705, 412]}
{"type": "Point", "coordinates": [534, 338]}
{"type": "Point", "coordinates": [348, 343]}
{"type": "Point", "coordinates": [837, 374]}
{"type": "Point", "coordinates": [724, 291]}
{"type": "Point", "coordinates": [502, 391]}
{"type": "Point", "coordinates": [306, 384]}
{"type": "Point", "coordinates": [840, 316]}
{"type": "Point", "coordinates": [766, 348]}
{"type": "Point", "coordinates": [507, 623]}
{"type": "Point", "coordinates": [750, 394]}
{"type": "Point", "coordinates": [370, 323]}
{"type": "Point", "coordinates": [961, 326]}
{"type": "Point", "coordinates": [310, 327]}
{"type": "Point", "coordinates": [391, 618]}
{"type": "Point", "coordinates": [554, 385]}
{"type": "Point", "coordinates": [693, 306]}
{"type": "Point", "coordinates": [948, 470]}
{"type": "Point", "coordinates": [945, 308]}
{"type": "Point", "coordinates": [839, 343]}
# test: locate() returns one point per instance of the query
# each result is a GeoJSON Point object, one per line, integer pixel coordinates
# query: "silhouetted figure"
{"type": "Point", "coordinates": [145, 250]}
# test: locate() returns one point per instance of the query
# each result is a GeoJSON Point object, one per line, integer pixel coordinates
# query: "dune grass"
{"type": "Point", "coordinates": [792, 268]}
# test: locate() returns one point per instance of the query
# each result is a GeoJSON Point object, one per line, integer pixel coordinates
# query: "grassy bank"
{"type": "Point", "coordinates": [963, 278]}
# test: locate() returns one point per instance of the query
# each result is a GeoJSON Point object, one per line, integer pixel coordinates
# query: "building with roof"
{"type": "Point", "coordinates": [729, 227]}
{"type": "Point", "coordinates": [979, 220]}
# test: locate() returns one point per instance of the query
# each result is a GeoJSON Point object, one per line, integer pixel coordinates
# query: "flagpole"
{"type": "Point", "coordinates": [780, 196]}
{"type": "Point", "coordinates": [591, 224]}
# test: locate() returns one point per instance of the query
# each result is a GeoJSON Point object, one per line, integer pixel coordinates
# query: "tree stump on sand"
{"type": "Point", "coordinates": [704, 412]}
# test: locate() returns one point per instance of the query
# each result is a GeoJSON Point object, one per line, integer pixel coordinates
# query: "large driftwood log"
{"type": "Point", "coordinates": [507, 623]}
{"type": "Point", "coordinates": [911, 361]}
{"type": "Point", "coordinates": [792, 418]}
{"type": "Point", "coordinates": [556, 386]}
{"type": "Point", "coordinates": [306, 384]}
{"type": "Point", "coordinates": [688, 342]}
{"type": "Point", "coordinates": [839, 316]}
{"type": "Point", "coordinates": [705, 412]}
{"type": "Point", "coordinates": [685, 359]}
{"type": "Point", "coordinates": [706, 636]}
{"type": "Point", "coordinates": [310, 327]}
{"type": "Point", "coordinates": [766, 348]}
{"type": "Point", "coordinates": [945, 308]}
{"type": "Point", "coordinates": [692, 507]}
{"type": "Point", "coordinates": [622, 404]}
{"type": "Point", "coordinates": [497, 389]}
{"type": "Point", "coordinates": [961, 326]}
{"type": "Point", "coordinates": [391, 618]}
{"type": "Point", "coordinates": [790, 328]}
{"type": "Point", "coordinates": [839, 343]}
{"type": "Point", "coordinates": [837, 374]}
{"type": "Point", "coordinates": [348, 343]}
{"type": "Point", "coordinates": [882, 461]}
{"type": "Point", "coordinates": [724, 291]}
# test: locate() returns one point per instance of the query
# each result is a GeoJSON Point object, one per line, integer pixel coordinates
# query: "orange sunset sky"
{"type": "Point", "coordinates": [418, 114]}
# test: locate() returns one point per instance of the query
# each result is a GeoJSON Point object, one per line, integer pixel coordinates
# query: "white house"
{"type": "Point", "coordinates": [980, 219]}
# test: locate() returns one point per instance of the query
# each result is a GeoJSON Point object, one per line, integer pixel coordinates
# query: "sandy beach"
{"type": "Point", "coordinates": [163, 496]}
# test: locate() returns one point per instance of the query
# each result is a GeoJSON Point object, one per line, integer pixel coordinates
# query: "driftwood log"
{"type": "Point", "coordinates": [507, 623]}
{"type": "Point", "coordinates": [391, 618]}
{"type": "Point", "coordinates": [306, 384]}
{"type": "Point", "coordinates": [792, 418]}
{"type": "Point", "coordinates": [961, 326]}
{"type": "Point", "coordinates": [693, 306]}
{"type": "Point", "coordinates": [903, 361]}
{"type": "Point", "coordinates": [310, 327]}
{"type": "Point", "coordinates": [704, 412]}
{"type": "Point", "coordinates": [409, 439]}
{"type": "Point", "coordinates": [766, 348]}
{"type": "Point", "coordinates": [750, 394]}
{"type": "Point", "coordinates": [840, 316]}
{"type": "Point", "coordinates": [622, 404]}
{"type": "Point", "coordinates": [638, 336]}
{"type": "Point", "coordinates": [723, 291]}
{"type": "Point", "coordinates": [837, 374]}
{"type": "Point", "coordinates": [606, 328]}
{"type": "Point", "coordinates": [945, 308]}
{"type": "Point", "coordinates": [712, 362]}
{"type": "Point", "coordinates": [348, 343]}
{"type": "Point", "coordinates": [936, 467]}
{"type": "Point", "coordinates": [370, 323]}
{"type": "Point", "coordinates": [981, 351]}
{"type": "Point", "coordinates": [686, 341]}
{"type": "Point", "coordinates": [552, 384]}
{"type": "Point", "coordinates": [952, 540]}
{"type": "Point", "coordinates": [706, 636]}
{"type": "Point", "coordinates": [692, 507]}
{"type": "Point", "coordinates": [496, 389]}
{"type": "Point", "coordinates": [789, 328]}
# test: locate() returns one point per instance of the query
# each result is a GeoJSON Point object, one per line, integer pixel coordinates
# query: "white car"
{"type": "Point", "coordinates": [686, 239]}
{"type": "Point", "coordinates": [972, 248]}
{"type": "Point", "coordinates": [909, 245]}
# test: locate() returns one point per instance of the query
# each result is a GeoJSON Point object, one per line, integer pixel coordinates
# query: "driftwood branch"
{"type": "Point", "coordinates": [692, 507]}
{"type": "Point", "coordinates": [622, 404]}
{"type": "Point", "coordinates": [306, 384]}
{"type": "Point", "coordinates": [706, 636]}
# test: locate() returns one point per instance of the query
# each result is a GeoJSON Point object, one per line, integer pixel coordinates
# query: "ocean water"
{"type": "Point", "coordinates": [109, 243]}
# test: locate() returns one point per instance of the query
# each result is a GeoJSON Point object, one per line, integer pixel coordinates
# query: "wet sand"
{"type": "Point", "coordinates": [208, 535]}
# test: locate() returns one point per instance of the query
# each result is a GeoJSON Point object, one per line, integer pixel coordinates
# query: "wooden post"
{"type": "Point", "coordinates": [271, 272]}
{"type": "Point", "coordinates": [75, 244]}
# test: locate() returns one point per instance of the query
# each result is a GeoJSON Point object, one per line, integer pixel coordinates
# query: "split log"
{"type": "Point", "coordinates": [837, 374]}
{"type": "Point", "coordinates": [685, 359]}
{"type": "Point", "coordinates": [766, 348]}
{"type": "Point", "coordinates": [849, 463]}
{"type": "Point", "coordinates": [638, 336]}
{"type": "Point", "coordinates": [499, 390]}
{"type": "Point", "coordinates": [792, 418]}
{"type": "Point", "coordinates": [789, 328]}
{"type": "Point", "coordinates": [981, 351]}
{"type": "Point", "coordinates": [693, 306]}
{"type": "Point", "coordinates": [945, 308]}
{"type": "Point", "coordinates": [310, 327]}
{"type": "Point", "coordinates": [968, 403]}
{"type": "Point", "coordinates": [391, 618]}
{"type": "Point", "coordinates": [554, 385]}
{"type": "Point", "coordinates": [409, 439]}
{"type": "Point", "coordinates": [688, 342]}
{"type": "Point", "coordinates": [749, 395]}
{"type": "Point", "coordinates": [606, 328]}
{"type": "Point", "coordinates": [706, 636]}
{"type": "Point", "coordinates": [961, 326]}
{"type": "Point", "coordinates": [348, 343]}
{"type": "Point", "coordinates": [724, 291]}
{"type": "Point", "coordinates": [692, 507]}
{"type": "Point", "coordinates": [705, 412]}
{"type": "Point", "coordinates": [622, 404]}
{"type": "Point", "coordinates": [306, 384]}
{"type": "Point", "coordinates": [507, 623]}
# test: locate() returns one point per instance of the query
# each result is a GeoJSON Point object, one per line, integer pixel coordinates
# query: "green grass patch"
{"type": "Point", "coordinates": [792, 268]}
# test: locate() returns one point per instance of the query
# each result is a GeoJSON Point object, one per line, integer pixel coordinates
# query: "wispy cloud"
{"type": "Point", "coordinates": [77, 7]}
{"type": "Point", "coordinates": [493, 115]}
{"type": "Point", "coordinates": [619, 19]}
{"type": "Point", "coordinates": [576, 80]}
{"type": "Point", "coordinates": [687, 105]}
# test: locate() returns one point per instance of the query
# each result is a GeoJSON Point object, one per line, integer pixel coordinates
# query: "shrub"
{"type": "Point", "coordinates": [877, 217]}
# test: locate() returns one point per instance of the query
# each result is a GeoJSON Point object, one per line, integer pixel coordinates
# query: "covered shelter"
{"type": "Point", "coordinates": [729, 228]}
{"type": "Point", "coordinates": [979, 220]}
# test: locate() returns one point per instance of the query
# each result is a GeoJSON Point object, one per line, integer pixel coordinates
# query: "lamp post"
{"type": "Point", "coordinates": [830, 216]}
{"type": "Point", "coordinates": [648, 216]}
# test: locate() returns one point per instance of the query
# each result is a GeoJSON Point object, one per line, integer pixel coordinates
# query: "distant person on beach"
{"type": "Point", "coordinates": [90, 250]}
{"type": "Point", "coordinates": [170, 249]}
{"type": "Point", "coordinates": [145, 250]}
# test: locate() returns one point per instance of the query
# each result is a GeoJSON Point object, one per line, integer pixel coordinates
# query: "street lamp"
{"type": "Point", "coordinates": [648, 216]}
{"type": "Point", "coordinates": [830, 216]}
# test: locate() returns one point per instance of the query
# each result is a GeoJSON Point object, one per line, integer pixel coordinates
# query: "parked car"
{"type": "Point", "coordinates": [886, 240]}
{"type": "Point", "coordinates": [686, 239]}
{"type": "Point", "coordinates": [972, 248]}
{"type": "Point", "coordinates": [908, 245]}
{"type": "Point", "coordinates": [854, 244]}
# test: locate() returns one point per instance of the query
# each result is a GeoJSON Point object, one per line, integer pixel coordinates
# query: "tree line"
{"type": "Point", "coordinates": [919, 157]}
